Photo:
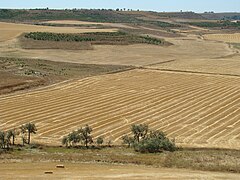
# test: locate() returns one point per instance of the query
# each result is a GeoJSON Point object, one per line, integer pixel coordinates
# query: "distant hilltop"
{"type": "Point", "coordinates": [106, 15]}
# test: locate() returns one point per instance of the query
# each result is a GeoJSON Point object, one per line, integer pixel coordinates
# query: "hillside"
{"type": "Point", "coordinates": [90, 15]}
{"type": "Point", "coordinates": [221, 16]}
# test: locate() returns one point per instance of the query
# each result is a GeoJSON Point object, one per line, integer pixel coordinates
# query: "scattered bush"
{"type": "Point", "coordinates": [99, 141]}
{"type": "Point", "coordinates": [82, 135]}
{"type": "Point", "coordinates": [148, 142]}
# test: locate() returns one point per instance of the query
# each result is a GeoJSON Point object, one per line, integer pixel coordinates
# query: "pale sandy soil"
{"type": "Point", "coordinates": [116, 25]}
{"type": "Point", "coordinates": [230, 38]}
{"type": "Point", "coordinates": [189, 50]}
{"type": "Point", "coordinates": [102, 171]}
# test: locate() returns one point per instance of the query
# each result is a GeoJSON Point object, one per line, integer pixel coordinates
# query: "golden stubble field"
{"type": "Point", "coordinates": [229, 38]}
{"type": "Point", "coordinates": [195, 110]}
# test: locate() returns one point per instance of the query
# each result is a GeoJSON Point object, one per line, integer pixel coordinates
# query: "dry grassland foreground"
{"type": "Point", "coordinates": [9, 31]}
{"type": "Point", "coordinates": [102, 171]}
{"type": "Point", "coordinates": [196, 110]}
{"type": "Point", "coordinates": [230, 38]}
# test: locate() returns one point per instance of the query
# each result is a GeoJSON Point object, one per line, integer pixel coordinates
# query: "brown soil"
{"type": "Point", "coordinates": [21, 74]}
{"type": "Point", "coordinates": [102, 171]}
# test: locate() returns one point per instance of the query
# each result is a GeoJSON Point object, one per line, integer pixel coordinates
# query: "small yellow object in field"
{"type": "Point", "coordinates": [60, 166]}
{"type": "Point", "coordinates": [48, 172]}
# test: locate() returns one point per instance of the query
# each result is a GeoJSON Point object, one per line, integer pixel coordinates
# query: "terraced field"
{"type": "Point", "coordinates": [8, 31]}
{"type": "Point", "coordinates": [196, 110]}
{"type": "Point", "coordinates": [230, 38]}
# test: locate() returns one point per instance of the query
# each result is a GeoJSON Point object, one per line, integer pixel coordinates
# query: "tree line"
{"type": "Point", "coordinates": [118, 37]}
{"type": "Point", "coordinates": [7, 138]}
{"type": "Point", "coordinates": [142, 139]}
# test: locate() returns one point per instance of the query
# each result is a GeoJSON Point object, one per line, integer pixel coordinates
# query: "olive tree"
{"type": "Point", "coordinates": [28, 128]}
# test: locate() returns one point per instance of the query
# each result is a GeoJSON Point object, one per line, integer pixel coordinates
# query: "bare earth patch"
{"type": "Point", "coordinates": [102, 171]}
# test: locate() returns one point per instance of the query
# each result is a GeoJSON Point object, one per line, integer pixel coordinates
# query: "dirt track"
{"type": "Point", "coordinates": [102, 171]}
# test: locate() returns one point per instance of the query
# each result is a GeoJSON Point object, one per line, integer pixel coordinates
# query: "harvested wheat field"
{"type": "Point", "coordinates": [196, 110]}
{"type": "Point", "coordinates": [9, 31]}
{"type": "Point", "coordinates": [102, 171]}
{"type": "Point", "coordinates": [230, 38]}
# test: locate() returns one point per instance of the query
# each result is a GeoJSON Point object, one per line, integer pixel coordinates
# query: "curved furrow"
{"type": "Point", "coordinates": [220, 124]}
{"type": "Point", "coordinates": [185, 112]}
{"type": "Point", "coordinates": [218, 112]}
{"type": "Point", "coordinates": [45, 111]}
{"type": "Point", "coordinates": [191, 122]}
{"type": "Point", "coordinates": [163, 111]}
{"type": "Point", "coordinates": [224, 125]}
{"type": "Point", "coordinates": [108, 112]}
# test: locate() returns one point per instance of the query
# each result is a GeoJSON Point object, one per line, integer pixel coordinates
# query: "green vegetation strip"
{"type": "Point", "coordinates": [219, 24]}
{"type": "Point", "coordinates": [95, 38]}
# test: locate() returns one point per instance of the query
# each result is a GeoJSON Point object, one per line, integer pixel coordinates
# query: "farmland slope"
{"type": "Point", "coordinates": [196, 110]}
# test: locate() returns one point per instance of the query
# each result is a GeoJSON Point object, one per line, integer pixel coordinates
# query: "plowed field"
{"type": "Point", "coordinates": [196, 110]}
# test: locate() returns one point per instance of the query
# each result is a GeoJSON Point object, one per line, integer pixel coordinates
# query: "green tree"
{"type": "Point", "coordinates": [139, 131]}
{"type": "Point", "coordinates": [12, 134]}
{"type": "Point", "coordinates": [29, 128]}
{"type": "Point", "coordinates": [99, 141]}
{"type": "Point", "coordinates": [65, 141]}
{"type": "Point", "coordinates": [127, 140]}
{"type": "Point", "coordinates": [85, 135]}
{"type": "Point", "coordinates": [74, 138]}
{"type": "Point", "coordinates": [4, 140]}
{"type": "Point", "coordinates": [155, 142]}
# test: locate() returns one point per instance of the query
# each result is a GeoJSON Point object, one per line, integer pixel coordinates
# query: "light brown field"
{"type": "Point", "coordinates": [9, 31]}
{"type": "Point", "coordinates": [189, 53]}
{"type": "Point", "coordinates": [102, 171]}
{"type": "Point", "coordinates": [230, 38]}
{"type": "Point", "coordinates": [196, 110]}
{"type": "Point", "coordinates": [190, 49]}
{"type": "Point", "coordinates": [72, 22]}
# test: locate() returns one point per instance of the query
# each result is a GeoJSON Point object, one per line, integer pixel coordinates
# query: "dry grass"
{"type": "Point", "coordinates": [20, 74]}
{"type": "Point", "coordinates": [102, 171]}
{"type": "Point", "coordinates": [192, 159]}
{"type": "Point", "coordinates": [10, 82]}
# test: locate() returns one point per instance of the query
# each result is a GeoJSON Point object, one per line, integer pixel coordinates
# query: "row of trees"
{"type": "Point", "coordinates": [7, 138]}
{"type": "Point", "coordinates": [47, 36]}
{"type": "Point", "coordinates": [95, 37]}
{"type": "Point", "coordinates": [81, 136]}
{"type": "Point", "coordinates": [142, 139]}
